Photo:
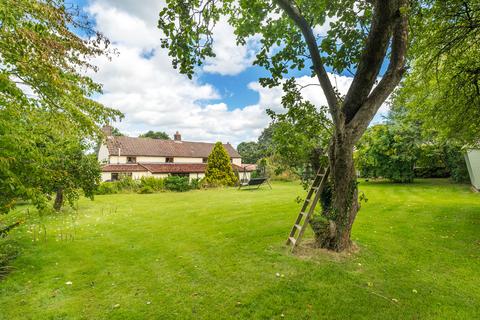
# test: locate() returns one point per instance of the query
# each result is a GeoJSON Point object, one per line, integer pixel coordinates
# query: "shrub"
{"type": "Point", "coordinates": [196, 183]}
{"type": "Point", "coordinates": [107, 188]}
{"type": "Point", "coordinates": [219, 170]}
{"type": "Point", "coordinates": [176, 183]}
{"type": "Point", "coordinates": [146, 189]}
{"type": "Point", "coordinates": [128, 184]}
{"type": "Point", "coordinates": [156, 184]}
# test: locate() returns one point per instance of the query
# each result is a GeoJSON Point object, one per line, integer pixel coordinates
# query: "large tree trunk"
{"type": "Point", "coordinates": [334, 229]}
{"type": "Point", "coordinates": [58, 200]}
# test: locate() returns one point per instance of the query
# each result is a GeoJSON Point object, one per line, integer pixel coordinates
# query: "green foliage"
{"type": "Point", "coordinates": [219, 170]}
{"type": "Point", "coordinates": [387, 151]}
{"type": "Point", "coordinates": [156, 184]}
{"type": "Point", "coordinates": [443, 87]}
{"type": "Point", "coordinates": [155, 135]}
{"type": "Point", "coordinates": [249, 151]}
{"type": "Point", "coordinates": [43, 135]}
{"type": "Point", "coordinates": [177, 183]}
{"type": "Point", "coordinates": [146, 189]}
{"type": "Point", "coordinates": [196, 183]}
{"type": "Point", "coordinates": [107, 188]}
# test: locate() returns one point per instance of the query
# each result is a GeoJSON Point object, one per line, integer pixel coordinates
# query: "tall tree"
{"type": "Point", "coordinates": [362, 35]}
{"type": "Point", "coordinates": [443, 88]}
{"type": "Point", "coordinates": [44, 91]}
{"type": "Point", "coordinates": [155, 135]}
{"type": "Point", "coordinates": [219, 170]}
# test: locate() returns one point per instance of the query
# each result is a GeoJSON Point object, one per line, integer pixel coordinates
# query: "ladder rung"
{"type": "Point", "coordinates": [292, 240]}
{"type": "Point", "coordinates": [301, 213]}
{"type": "Point", "coordinates": [299, 227]}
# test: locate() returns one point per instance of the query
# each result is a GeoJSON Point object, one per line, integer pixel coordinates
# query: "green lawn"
{"type": "Point", "coordinates": [216, 254]}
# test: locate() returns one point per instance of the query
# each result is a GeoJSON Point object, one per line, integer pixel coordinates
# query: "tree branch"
{"type": "Point", "coordinates": [372, 58]}
{"type": "Point", "coordinates": [390, 80]}
{"type": "Point", "coordinates": [294, 13]}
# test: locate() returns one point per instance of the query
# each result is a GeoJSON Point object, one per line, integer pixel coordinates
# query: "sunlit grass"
{"type": "Point", "coordinates": [219, 254]}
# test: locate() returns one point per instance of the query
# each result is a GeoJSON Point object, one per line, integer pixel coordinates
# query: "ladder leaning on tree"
{"type": "Point", "coordinates": [301, 223]}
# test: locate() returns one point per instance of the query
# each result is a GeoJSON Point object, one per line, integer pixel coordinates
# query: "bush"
{"type": "Point", "coordinates": [128, 184]}
{"type": "Point", "coordinates": [146, 189]}
{"type": "Point", "coordinates": [156, 184]}
{"type": "Point", "coordinates": [219, 170]}
{"type": "Point", "coordinates": [176, 183]}
{"type": "Point", "coordinates": [196, 183]}
{"type": "Point", "coordinates": [107, 188]}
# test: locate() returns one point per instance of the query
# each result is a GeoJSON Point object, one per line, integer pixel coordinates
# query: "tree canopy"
{"type": "Point", "coordinates": [155, 135]}
{"type": "Point", "coordinates": [443, 87]}
{"type": "Point", "coordinates": [45, 94]}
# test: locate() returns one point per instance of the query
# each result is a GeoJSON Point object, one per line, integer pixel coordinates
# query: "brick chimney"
{"type": "Point", "coordinates": [107, 130]}
{"type": "Point", "coordinates": [177, 136]}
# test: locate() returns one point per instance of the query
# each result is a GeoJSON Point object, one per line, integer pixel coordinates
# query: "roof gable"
{"type": "Point", "coordinates": [130, 146]}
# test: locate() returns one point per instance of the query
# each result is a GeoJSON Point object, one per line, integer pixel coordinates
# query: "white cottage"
{"type": "Point", "coordinates": [144, 157]}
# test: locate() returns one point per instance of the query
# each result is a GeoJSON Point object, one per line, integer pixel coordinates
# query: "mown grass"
{"type": "Point", "coordinates": [216, 254]}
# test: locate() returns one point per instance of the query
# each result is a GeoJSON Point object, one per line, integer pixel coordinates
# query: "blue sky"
{"type": "Point", "coordinates": [223, 102]}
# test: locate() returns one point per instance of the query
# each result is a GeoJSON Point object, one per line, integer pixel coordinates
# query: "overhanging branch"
{"type": "Point", "coordinates": [292, 11]}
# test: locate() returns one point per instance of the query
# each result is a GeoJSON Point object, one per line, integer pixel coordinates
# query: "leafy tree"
{"type": "Point", "coordinates": [443, 88]}
{"type": "Point", "coordinates": [219, 170]}
{"type": "Point", "coordinates": [43, 92]}
{"type": "Point", "coordinates": [249, 151]}
{"type": "Point", "coordinates": [155, 135]}
{"type": "Point", "coordinates": [116, 132]}
{"type": "Point", "coordinates": [362, 35]}
{"type": "Point", "coordinates": [388, 151]}
{"type": "Point", "coordinates": [301, 134]}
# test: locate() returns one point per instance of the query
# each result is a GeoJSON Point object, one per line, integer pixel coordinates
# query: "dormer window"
{"type": "Point", "coordinates": [169, 159]}
{"type": "Point", "coordinates": [131, 159]}
{"type": "Point", "coordinates": [204, 160]}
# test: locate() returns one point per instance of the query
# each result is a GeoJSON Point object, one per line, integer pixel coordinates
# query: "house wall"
{"type": "Point", "coordinates": [151, 159]}
{"type": "Point", "coordinates": [106, 176]}
{"type": "Point", "coordinates": [237, 161]}
{"type": "Point", "coordinates": [160, 175]}
{"type": "Point", "coordinates": [103, 154]}
{"type": "Point", "coordinates": [117, 159]}
{"type": "Point", "coordinates": [473, 164]}
{"type": "Point", "coordinates": [140, 174]}
{"type": "Point", "coordinates": [187, 160]}
{"type": "Point", "coordinates": [196, 176]}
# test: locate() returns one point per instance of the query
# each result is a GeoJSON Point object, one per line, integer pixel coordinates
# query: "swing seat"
{"type": "Point", "coordinates": [254, 182]}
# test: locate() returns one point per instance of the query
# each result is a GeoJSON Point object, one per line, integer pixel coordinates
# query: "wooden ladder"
{"type": "Point", "coordinates": [308, 207]}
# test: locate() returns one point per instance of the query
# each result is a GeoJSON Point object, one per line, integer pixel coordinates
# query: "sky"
{"type": "Point", "coordinates": [223, 102]}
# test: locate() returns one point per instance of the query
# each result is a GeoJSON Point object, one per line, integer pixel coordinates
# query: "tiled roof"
{"type": "Point", "coordinates": [163, 148]}
{"type": "Point", "coordinates": [161, 167]}
{"type": "Point", "coordinates": [123, 168]}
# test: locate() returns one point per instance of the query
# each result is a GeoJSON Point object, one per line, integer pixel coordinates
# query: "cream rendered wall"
{"type": "Point", "coordinates": [117, 159]}
{"type": "Point", "coordinates": [196, 176]}
{"type": "Point", "coordinates": [187, 160]}
{"type": "Point", "coordinates": [237, 161]}
{"type": "Point", "coordinates": [103, 153]}
{"type": "Point", "coordinates": [139, 175]}
{"type": "Point", "coordinates": [106, 176]}
{"type": "Point", "coordinates": [150, 159]}
{"type": "Point", "coordinates": [160, 175]}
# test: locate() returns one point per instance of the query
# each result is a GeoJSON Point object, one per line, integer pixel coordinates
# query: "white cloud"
{"type": "Point", "coordinates": [230, 58]}
{"type": "Point", "coordinates": [154, 96]}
